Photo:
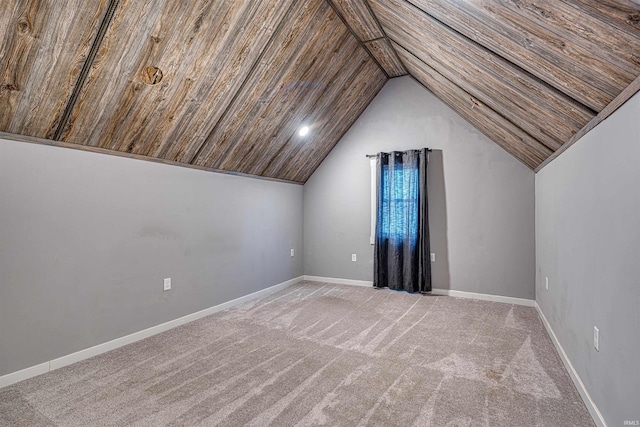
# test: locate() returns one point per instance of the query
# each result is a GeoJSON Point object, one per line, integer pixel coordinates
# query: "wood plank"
{"type": "Point", "coordinates": [557, 62]}
{"type": "Point", "coordinates": [98, 150]}
{"type": "Point", "coordinates": [358, 16]}
{"type": "Point", "coordinates": [507, 135]}
{"type": "Point", "coordinates": [585, 28]}
{"type": "Point", "coordinates": [585, 41]}
{"type": "Point", "coordinates": [289, 78]}
{"type": "Point", "coordinates": [43, 48]}
{"type": "Point", "coordinates": [205, 49]}
{"type": "Point", "coordinates": [538, 109]}
{"type": "Point", "coordinates": [326, 73]}
{"type": "Point", "coordinates": [354, 100]}
{"type": "Point", "coordinates": [357, 83]}
{"type": "Point", "coordinates": [624, 96]}
{"type": "Point", "coordinates": [329, 77]}
{"type": "Point", "coordinates": [621, 14]}
{"type": "Point", "coordinates": [386, 57]}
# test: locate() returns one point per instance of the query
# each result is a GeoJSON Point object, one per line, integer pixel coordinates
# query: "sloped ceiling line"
{"type": "Point", "coordinates": [544, 68]}
{"type": "Point", "coordinates": [624, 96]}
{"type": "Point", "coordinates": [359, 18]}
{"type": "Point", "coordinates": [505, 94]}
{"type": "Point", "coordinates": [477, 100]}
{"type": "Point", "coordinates": [386, 58]}
{"type": "Point", "coordinates": [386, 42]}
{"type": "Point", "coordinates": [488, 78]}
{"type": "Point", "coordinates": [503, 132]}
{"type": "Point", "coordinates": [274, 86]}
{"type": "Point", "coordinates": [357, 37]}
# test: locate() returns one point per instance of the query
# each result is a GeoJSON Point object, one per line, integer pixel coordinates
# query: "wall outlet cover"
{"type": "Point", "coordinates": [167, 283]}
{"type": "Point", "coordinates": [354, 257]}
{"type": "Point", "coordinates": [293, 252]}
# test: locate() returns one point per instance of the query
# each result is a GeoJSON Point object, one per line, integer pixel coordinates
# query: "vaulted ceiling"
{"type": "Point", "coordinates": [227, 84]}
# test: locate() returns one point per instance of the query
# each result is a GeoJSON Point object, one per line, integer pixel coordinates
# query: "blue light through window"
{"type": "Point", "coordinates": [399, 197]}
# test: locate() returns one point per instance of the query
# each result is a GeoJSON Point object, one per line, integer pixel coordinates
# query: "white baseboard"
{"type": "Point", "coordinates": [60, 362]}
{"type": "Point", "coordinates": [484, 297]}
{"type": "Point", "coordinates": [591, 406]}
{"type": "Point", "coordinates": [24, 374]}
{"type": "Point", "coordinates": [459, 294]}
{"type": "Point", "coordinates": [339, 281]}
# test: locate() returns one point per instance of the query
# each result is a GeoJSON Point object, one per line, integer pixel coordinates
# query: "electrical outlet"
{"type": "Point", "coordinates": [433, 257]}
{"type": "Point", "coordinates": [293, 252]}
{"type": "Point", "coordinates": [546, 283]}
{"type": "Point", "coordinates": [167, 283]}
{"type": "Point", "coordinates": [596, 338]}
{"type": "Point", "coordinates": [354, 257]}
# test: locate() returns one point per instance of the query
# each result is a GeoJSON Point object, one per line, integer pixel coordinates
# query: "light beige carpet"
{"type": "Point", "coordinates": [320, 354]}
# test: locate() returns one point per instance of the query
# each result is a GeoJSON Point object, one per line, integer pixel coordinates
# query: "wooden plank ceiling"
{"type": "Point", "coordinates": [220, 84]}
{"type": "Point", "coordinates": [227, 84]}
{"type": "Point", "coordinates": [529, 74]}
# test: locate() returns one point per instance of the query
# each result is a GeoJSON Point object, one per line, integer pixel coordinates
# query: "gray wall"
{"type": "Point", "coordinates": [588, 245]}
{"type": "Point", "coordinates": [88, 238]}
{"type": "Point", "coordinates": [481, 198]}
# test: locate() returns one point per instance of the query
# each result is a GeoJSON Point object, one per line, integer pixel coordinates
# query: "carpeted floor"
{"type": "Point", "coordinates": [320, 354]}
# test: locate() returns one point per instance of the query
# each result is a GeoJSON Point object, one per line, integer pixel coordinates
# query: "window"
{"type": "Point", "coordinates": [405, 212]}
{"type": "Point", "coordinates": [401, 252]}
{"type": "Point", "coordinates": [400, 203]}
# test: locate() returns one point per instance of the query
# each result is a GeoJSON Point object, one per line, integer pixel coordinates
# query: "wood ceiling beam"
{"type": "Point", "coordinates": [365, 27]}
{"type": "Point", "coordinates": [624, 96]}
{"type": "Point", "coordinates": [381, 49]}
{"type": "Point", "coordinates": [356, 36]}
{"type": "Point", "coordinates": [359, 18]}
{"type": "Point", "coordinates": [394, 62]}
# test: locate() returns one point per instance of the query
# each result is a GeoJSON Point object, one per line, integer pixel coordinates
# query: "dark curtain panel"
{"type": "Point", "coordinates": [401, 254]}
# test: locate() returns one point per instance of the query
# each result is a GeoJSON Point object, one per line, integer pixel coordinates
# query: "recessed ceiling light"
{"type": "Point", "coordinates": [304, 130]}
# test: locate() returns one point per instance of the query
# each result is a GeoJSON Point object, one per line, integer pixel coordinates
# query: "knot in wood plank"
{"type": "Point", "coordinates": [23, 26]}
{"type": "Point", "coordinates": [152, 75]}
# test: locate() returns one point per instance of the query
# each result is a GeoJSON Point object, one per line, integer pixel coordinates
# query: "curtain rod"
{"type": "Point", "coordinates": [375, 155]}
